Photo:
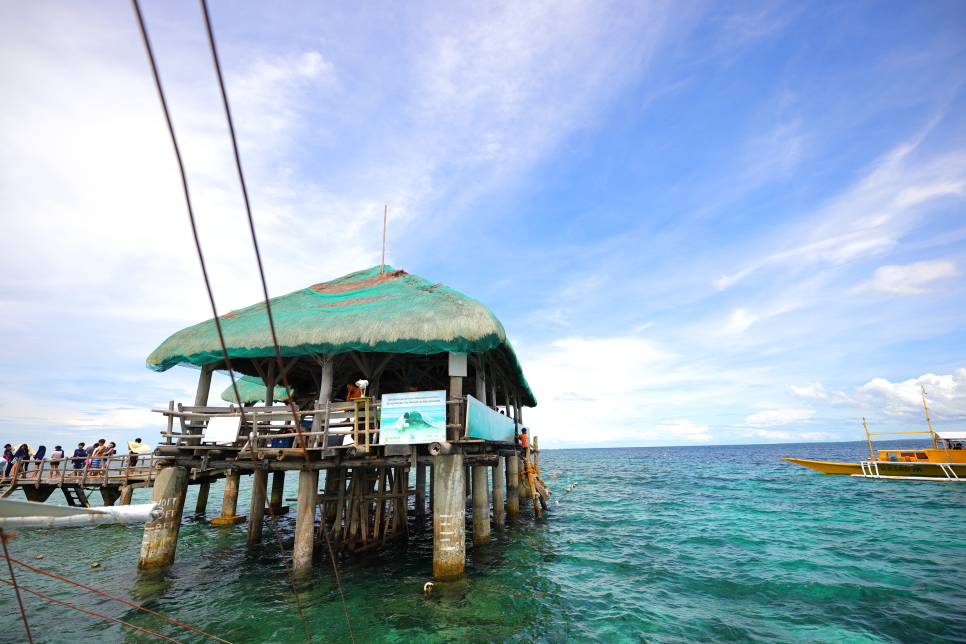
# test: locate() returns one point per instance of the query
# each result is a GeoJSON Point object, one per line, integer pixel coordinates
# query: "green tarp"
{"type": "Point", "coordinates": [374, 310]}
{"type": "Point", "coordinates": [252, 390]}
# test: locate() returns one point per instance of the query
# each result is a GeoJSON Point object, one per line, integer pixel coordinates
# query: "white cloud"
{"type": "Point", "coordinates": [946, 396]}
{"type": "Point", "coordinates": [741, 320]}
{"type": "Point", "coordinates": [772, 417]}
{"type": "Point", "coordinates": [911, 279]}
{"type": "Point", "coordinates": [793, 436]}
{"type": "Point", "coordinates": [570, 396]}
{"type": "Point", "coordinates": [869, 218]}
{"type": "Point", "coordinates": [687, 429]}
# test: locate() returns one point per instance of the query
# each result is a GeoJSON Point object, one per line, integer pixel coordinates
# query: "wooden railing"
{"type": "Point", "coordinates": [334, 425]}
{"type": "Point", "coordinates": [112, 470]}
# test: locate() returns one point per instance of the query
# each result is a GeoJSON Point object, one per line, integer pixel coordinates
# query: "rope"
{"type": "Point", "coordinates": [271, 321]}
{"type": "Point", "coordinates": [211, 296]}
{"type": "Point", "coordinates": [143, 630]}
{"type": "Point", "coordinates": [16, 588]}
{"type": "Point", "coordinates": [100, 592]}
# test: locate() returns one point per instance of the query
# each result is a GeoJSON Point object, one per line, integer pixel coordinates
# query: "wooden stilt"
{"type": "Point", "coordinates": [126, 492]}
{"type": "Point", "coordinates": [201, 506]}
{"type": "Point", "coordinates": [229, 501]}
{"type": "Point", "coordinates": [512, 485]}
{"type": "Point", "coordinates": [305, 520]}
{"type": "Point", "coordinates": [278, 492]}
{"type": "Point", "coordinates": [256, 511]}
{"type": "Point", "coordinates": [108, 494]}
{"type": "Point", "coordinates": [499, 493]}
{"type": "Point", "coordinates": [420, 503]}
{"type": "Point", "coordinates": [160, 540]}
{"type": "Point", "coordinates": [449, 516]}
{"type": "Point", "coordinates": [481, 505]}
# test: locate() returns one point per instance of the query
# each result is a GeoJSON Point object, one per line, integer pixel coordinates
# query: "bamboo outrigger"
{"type": "Point", "coordinates": [944, 461]}
{"type": "Point", "coordinates": [404, 336]}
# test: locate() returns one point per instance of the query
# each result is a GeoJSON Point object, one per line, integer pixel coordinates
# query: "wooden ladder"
{"type": "Point", "coordinates": [76, 498]}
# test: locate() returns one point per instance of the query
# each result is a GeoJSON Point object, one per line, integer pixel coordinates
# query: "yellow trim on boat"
{"type": "Point", "coordinates": [827, 467]}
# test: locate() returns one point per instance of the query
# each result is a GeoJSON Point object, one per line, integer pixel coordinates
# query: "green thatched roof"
{"type": "Point", "coordinates": [365, 311]}
{"type": "Point", "coordinates": [252, 390]}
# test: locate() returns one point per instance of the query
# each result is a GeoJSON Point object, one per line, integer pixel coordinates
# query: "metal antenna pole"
{"type": "Point", "coordinates": [385, 209]}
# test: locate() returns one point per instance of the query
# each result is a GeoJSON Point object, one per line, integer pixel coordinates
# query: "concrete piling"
{"type": "Point", "coordinates": [305, 520]}
{"type": "Point", "coordinates": [481, 505]}
{"type": "Point", "coordinates": [256, 511]}
{"type": "Point", "coordinates": [160, 540]}
{"type": "Point", "coordinates": [229, 501]}
{"type": "Point", "coordinates": [449, 516]}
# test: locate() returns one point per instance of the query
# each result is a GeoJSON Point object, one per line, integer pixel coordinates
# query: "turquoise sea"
{"type": "Point", "coordinates": [678, 544]}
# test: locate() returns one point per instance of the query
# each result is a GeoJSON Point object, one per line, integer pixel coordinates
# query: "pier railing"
{"type": "Point", "coordinates": [336, 425]}
{"type": "Point", "coordinates": [112, 470]}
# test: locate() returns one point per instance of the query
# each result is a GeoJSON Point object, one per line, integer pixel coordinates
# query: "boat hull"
{"type": "Point", "coordinates": [886, 468]}
{"type": "Point", "coordinates": [828, 467]}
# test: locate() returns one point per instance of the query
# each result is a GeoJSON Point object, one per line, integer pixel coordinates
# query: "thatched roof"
{"type": "Point", "coordinates": [367, 311]}
{"type": "Point", "coordinates": [252, 390]}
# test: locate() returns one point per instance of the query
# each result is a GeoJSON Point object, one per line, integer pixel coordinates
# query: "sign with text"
{"type": "Point", "coordinates": [413, 417]}
{"type": "Point", "coordinates": [483, 422]}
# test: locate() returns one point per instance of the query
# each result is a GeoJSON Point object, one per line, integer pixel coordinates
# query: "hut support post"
{"type": "Point", "coordinates": [420, 503]}
{"type": "Point", "coordinates": [204, 386]}
{"type": "Point", "coordinates": [229, 501]}
{"type": "Point", "coordinates": [449, 517]}
{"type": "Point", "coordinates": [499, 493]}
{"type": "Point", "coordinates": [305, 520]}
{"type": "Point", "coordinates": [160, 538]}
{"type": "Point", "coordinates": [278, 490]}
{"type": "Point", "coordinates": [256, 512]}
{"type": "Point", "coordinates": [512, 485]}
{"type": "Point", "coordinates": [481, 505]}
{"type": "Point", "coordinates": [201, 506]}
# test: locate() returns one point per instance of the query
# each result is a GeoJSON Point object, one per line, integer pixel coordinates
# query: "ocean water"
{"type": "Point", "coordinates": [681, 544]}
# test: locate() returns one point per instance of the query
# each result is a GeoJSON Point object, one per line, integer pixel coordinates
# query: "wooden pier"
{"type": "Point", "coordinates": [115, 479]}
{"type": "Point", "coordinates": [398, 337]}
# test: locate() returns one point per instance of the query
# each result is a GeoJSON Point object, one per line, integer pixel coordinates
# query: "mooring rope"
{"type": "Point", "coordinates": [211, 297]}
{"type": "Point", "coordinates": [269, 387]}
{"type": "Point", "coordinates": [113, 619]}
{"type": "Point", "coordinates": [23, 613]}
{"type": "Point", "coordinates": [123, 601]}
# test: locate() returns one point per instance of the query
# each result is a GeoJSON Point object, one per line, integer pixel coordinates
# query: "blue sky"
{"type": "Point", "coordinates": [702, 224]}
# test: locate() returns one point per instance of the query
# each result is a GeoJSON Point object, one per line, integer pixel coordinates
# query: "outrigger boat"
{"type": "Point", "coordinates": [944, 461]}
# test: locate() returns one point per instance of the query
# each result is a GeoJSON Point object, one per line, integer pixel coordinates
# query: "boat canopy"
{"type": "Point", "coordinates": [953, 435]}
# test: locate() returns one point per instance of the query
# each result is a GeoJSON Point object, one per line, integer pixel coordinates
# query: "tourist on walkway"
{"type": "Point", "coordinates": [55, 457]}
{"type": "Point", "coordinates": [22, 455]}
{"type": "Point", "coordinates": [79, 462]}
{"type": "Point", "coordinates": [7, 459]}
{"type": "Point", "coordinates": [98, 454]}
{"type": "Point", "coordinates": [39, 456]}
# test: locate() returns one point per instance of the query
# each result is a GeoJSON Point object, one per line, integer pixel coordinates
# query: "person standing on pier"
{"type": "Point", "coordinates": [8, 459]}
{"type": "Point", "coordinates": [79, 462]}
{"type": "Point", "coordinates": [98, 454]}
{"type": "Point", "coordinates": [39, 456]}
{"type": "Point", "coordinates": [22, 455]}
{"type": "Point", "coordinates": [133, 457]}
{"type": "Point", "coordinates": [55, 457]}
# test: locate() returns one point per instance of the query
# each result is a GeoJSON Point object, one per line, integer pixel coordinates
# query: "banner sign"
{"type": "Point", "coordinates": [483, 422]}
{"type": "Point", "coordinates": [413, 417]}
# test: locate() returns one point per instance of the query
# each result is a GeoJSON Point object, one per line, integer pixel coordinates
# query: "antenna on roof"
{"type": "Point", "coordinates": [385, 209]}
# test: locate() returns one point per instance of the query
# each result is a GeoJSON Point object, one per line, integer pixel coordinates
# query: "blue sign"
{"type": "Point", "coordinates": [483, 422]}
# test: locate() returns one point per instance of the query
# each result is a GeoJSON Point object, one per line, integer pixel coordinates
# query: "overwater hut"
{"type": "Point", "coordinates": [444, 396]}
